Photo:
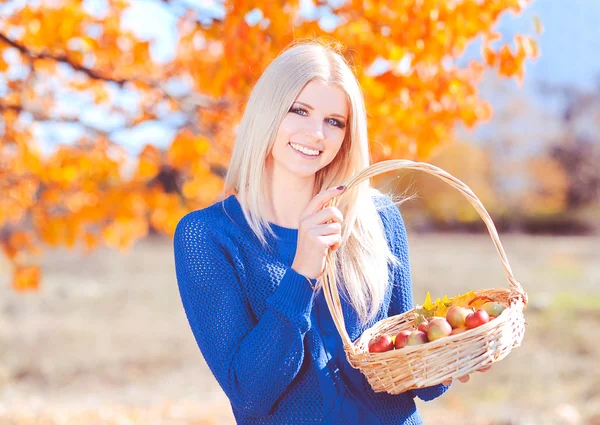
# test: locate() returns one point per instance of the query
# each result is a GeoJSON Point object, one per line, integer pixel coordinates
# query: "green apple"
{"type": "Point", "coordinates": [493, 309]}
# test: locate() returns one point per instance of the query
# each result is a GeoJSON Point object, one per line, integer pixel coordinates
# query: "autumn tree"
{"type": "Point", "coordinates": [56, 57]}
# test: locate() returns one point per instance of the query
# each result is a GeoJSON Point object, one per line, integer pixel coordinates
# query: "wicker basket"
{"type": "Point", "coordinates": [419, 366]}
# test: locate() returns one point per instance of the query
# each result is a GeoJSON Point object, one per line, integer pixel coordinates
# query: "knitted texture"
{"type": "Point", "coordinates": [267, 337]}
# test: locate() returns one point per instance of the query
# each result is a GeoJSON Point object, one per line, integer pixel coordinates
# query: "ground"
{"type": "Point", "coordinates": [105, 340]}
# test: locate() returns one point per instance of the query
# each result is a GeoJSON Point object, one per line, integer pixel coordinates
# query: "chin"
{"type": "Point", "coordinates": [304, 174]}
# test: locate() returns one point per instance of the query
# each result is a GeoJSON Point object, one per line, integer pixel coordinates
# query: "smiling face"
{"type": "Point", "coordinates": [316, 121]}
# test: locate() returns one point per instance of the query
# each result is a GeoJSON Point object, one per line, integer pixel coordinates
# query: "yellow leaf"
{"type": "Point", "coordinates": [428, 305]}
{"type": "Point", "coordinates": [463, 300]}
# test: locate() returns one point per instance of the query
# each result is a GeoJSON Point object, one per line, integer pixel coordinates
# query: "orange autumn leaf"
{"type": "Point", "coordinates": [186, 149]}
{"type": "Point", "coordinates": [26, 278]}
{"type": "Point", "coordinates": [149, 163]}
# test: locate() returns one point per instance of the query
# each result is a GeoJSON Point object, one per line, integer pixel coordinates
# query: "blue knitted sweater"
{"type": "Point", "coordinates": [267, 337]}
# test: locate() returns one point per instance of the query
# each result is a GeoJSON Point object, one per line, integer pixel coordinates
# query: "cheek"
{"type": "Point", "coordinates": [288, 126]}
{"type": "Point", "coordinates": [335, 138]}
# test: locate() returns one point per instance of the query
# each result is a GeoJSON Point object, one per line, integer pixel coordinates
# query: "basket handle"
{"type": "Point", "coordinates": [328, 279]}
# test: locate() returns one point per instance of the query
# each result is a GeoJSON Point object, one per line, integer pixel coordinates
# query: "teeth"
{"type": "Point", "coordinates": [304, 150]}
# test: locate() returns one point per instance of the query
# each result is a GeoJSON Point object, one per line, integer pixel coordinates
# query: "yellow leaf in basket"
{"type": "Point", "coordinates": [428, 305]}
{"type": "Point", "coordinates": [463, 300]}
{"type": "Point", "coordinates": [440, 307]}
{"type": "Point", "coordinates": [441, 310]}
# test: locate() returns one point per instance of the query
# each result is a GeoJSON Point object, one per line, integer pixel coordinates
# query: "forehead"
{"type": "Point", "coordinates": [325, 97]}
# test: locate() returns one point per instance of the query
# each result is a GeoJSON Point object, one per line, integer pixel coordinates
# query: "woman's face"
{"type": "Point", "coordinates": [317, 121]}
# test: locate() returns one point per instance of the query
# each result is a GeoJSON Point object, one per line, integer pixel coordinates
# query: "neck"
{"type": "Point", "coordinates": [288, 195]}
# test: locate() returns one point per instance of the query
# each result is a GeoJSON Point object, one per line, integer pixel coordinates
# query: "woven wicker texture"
{"type": "Point", "coordinates": [451, 357]}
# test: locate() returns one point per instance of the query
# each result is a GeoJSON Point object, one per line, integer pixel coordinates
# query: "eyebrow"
{"type": "Point", "coordinates": [311, 108]}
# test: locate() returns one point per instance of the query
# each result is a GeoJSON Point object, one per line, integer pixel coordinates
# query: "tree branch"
{"type": "Point", "coordinates": [190, 101]}
{"type": "Point", "coordinates": [61, 58]}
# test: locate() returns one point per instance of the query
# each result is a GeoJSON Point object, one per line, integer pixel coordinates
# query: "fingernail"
{"type": "Point", "coordinates": [340, 187]}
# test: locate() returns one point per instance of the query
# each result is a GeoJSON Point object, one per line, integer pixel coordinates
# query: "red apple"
{"type": "Point", "coordinates": [478, 318]}
{"type": "Point", "coordinates": [416, 338]}
{"type": "Point", "coordinates": [423, 326]}
{"type": "Point", "coordinates": [493, 309]}
{"type": "Point", "coordinates": [456, 331]}
{"type": "Point", "coordinates": [380, 344]}
{"type": "Point", "coordinates": [401, 339]}
{"type": "Point", "coordinates": [456, 316]}
{"type": "Point", "coordinates": [438, 328]}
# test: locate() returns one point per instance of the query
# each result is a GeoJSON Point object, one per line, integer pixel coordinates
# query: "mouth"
{"type": "Point", "coordinates": [303, 154]}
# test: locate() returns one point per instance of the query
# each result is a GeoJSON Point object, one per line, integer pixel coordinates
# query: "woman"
{"type": "Point", "coordinates": [248, 266]}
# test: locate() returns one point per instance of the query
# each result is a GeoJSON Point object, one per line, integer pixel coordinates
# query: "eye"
{"type": "Point", "coordinates": [336, 123]}
{"type": "Point", "coordinates": [298, 111]}
{"type": "Point", "coordinates": [332, 121]}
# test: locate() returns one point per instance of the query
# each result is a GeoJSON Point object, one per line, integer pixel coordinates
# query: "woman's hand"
{"type": "Point", "coordinates": [320, 229]}
{"type": "Point", "coordinates": [466, 378]}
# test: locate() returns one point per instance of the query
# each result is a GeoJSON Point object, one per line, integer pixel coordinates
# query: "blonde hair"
{"type": "Point", "coordinates": [364, 255]}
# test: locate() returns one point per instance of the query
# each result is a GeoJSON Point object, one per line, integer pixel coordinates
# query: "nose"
{"type": "Point", "coordinates": [316, 133]}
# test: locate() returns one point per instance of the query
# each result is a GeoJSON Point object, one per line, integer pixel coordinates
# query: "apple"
{"type": "Point", "coordinates": [402, 339]}
{"type": "Point", "coordinates": [438, 328]}
{"type": "Point", "coordinates": [493, 308]}
{"type": "Point", "coordinates": [417, 337]}
{"type": "Point", "coordinates": [381, 344]}
{"type": "Point", "coordinates": [456, 331]}
{"type": "Point", "coordinates": [478, 318]}
{"type": "Point", "coordinates": [423, 326]}
{"type": "Point", "coordinates": [456, 316]}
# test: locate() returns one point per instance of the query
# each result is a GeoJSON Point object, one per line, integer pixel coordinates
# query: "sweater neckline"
{"type": "Point", "coordinates": [283, 233]}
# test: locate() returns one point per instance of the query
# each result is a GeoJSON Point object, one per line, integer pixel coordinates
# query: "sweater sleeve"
{"type": "Point", "coordinates": [254, 361]}
{"type": "Point", "coordinates": [402, 295]}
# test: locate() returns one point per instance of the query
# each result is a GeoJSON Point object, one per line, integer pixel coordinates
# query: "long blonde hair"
{"type": "Point", "coordinates": [364, 254]}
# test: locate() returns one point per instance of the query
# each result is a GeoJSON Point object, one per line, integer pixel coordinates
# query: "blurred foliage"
{"type": "Point", "coordinates": [471, 165]}
{"type": "Point", "coordinates": [548, 191]}
{"type": "Point", "coordinates": [53, 53]}
{"type": "Point", "coordinates": [567, 175]}
{"type": "Point", "coordinates": [542, 204]}
{"type": "Point", "coordinates": [580, 160]}
{"type": "Point", "coordinates": [542, 180]}
{"type": "Point", "coordinates": [578, 150]}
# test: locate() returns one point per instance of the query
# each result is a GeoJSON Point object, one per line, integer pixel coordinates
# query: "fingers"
{"type": "Point", "coordinates": [332, 241]}
{"type": "Point", "coordinates": [329, 229]}
{"type": "Point", "coordinates": [321, 199]}
{"type": "Point", "coordinates": [466, 378]}
{"type": "Point", "coordinates": [328, 215]}
{"type": "Point", "coordinates": [462, 379]}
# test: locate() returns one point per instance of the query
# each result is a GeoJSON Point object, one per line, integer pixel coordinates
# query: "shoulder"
{"type": "Point", "coordinates": [386, 206]}
{"type": "Point", "coordinates": [201, 224]}
{"type": "Point", "coordinates": [391, 217]}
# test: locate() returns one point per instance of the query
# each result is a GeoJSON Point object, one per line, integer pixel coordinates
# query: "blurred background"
{"type": "Point", "coordinates": [118, 117]}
